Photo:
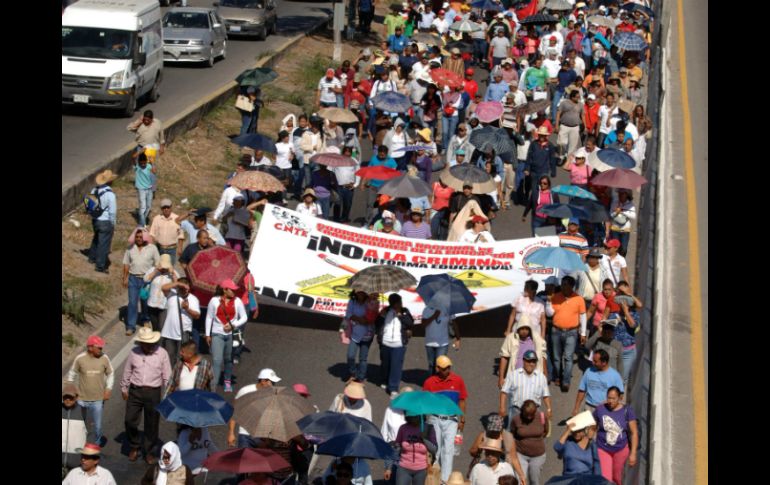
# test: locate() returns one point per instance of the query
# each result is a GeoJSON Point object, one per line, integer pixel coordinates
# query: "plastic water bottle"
{"type": "Point", "coordinates": [458, 443]}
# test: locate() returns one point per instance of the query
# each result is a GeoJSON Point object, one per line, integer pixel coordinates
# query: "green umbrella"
{"type": "Point", "coordinates": [256, 77]}
{"type": "Point", "coordinates": [423, 402]}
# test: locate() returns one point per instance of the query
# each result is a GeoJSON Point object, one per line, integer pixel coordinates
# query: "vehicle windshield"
{"type": "Point", "coordinates": [242, 3]}
{"type": "Point", "coordinates": [97, 43]}
{"type": "Point", "coordinates": [186, 20]}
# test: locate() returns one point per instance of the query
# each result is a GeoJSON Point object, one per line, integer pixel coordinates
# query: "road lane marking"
{"type": "Point", "coordinates": [696, 340]}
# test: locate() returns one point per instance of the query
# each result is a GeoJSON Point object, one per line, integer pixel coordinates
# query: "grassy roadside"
{"type": "Point", "coordinates": [192, 174]}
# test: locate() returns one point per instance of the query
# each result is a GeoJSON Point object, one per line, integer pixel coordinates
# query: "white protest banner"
{"type": "Point", "coordinates": [306, 261]}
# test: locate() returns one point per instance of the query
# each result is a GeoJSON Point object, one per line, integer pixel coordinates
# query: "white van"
{"type": "Point", "coordinates": [112, 53]}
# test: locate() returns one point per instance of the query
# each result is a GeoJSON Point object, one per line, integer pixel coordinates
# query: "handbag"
{"type": "Point", "coordinates": [144, 293]}
{"type": "Point", "coordinates": [244, 103]}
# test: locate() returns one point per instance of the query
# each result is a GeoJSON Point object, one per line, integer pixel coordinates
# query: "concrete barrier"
{"type": "Point", "coordinates": [120, 162]}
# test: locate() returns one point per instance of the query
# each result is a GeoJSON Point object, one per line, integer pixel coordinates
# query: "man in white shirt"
{"type": "Point", "coordinates": [347, 181]}
{"type": "Point", "coordinates": [421, 68]}
{"type": "Point", "coordinates": [552, 64]}
{"type": "Point", "coordinates": [606, 111]}
{"type": "Point", "coordinates": [441, 24]}
{"type": "Point", "coordinates": [260, 159]}
{"type": "Point", "coordinates": [328, 89]}
{"type": "Point", "coordinates": [437, 324]}
{"type": "Point", "coordinates": [89, 472]}
{"type": "Point", "coordinates": [226, 201]}
{"type": "Point", "coordinates": [179, 303]}
{"type": "Point", "coordinates": [428, 16]}
{"type": "Point", "coordinates": [266, 378]}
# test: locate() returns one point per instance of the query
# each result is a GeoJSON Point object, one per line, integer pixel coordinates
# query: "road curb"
{"type": "Point", "coordinates": [120, 162]}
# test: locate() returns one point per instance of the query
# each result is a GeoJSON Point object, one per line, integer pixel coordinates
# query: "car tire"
{"type": "Point", "coordinates": [223, 55]}
{"type": "Point", "coordinates": [263, 33]}
{"type": "Point", "coordinates": [210, 61]}
{"type": "Point", "coordinates": [128, 111]}
{"type": "Point", "coordinates": [274, 30]}
{"type": "Point", "coordinates": [154, 93]}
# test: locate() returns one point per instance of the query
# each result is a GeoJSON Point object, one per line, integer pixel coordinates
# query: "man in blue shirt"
{"type": "Point", "coordinates": [199, 222]}
{"type": "Point", "coordinates": [373, 185]}
{"type": "Point", "coordinates": [104, 223]}
{"type": "Point", "coordinates": [144, 182]}
{"type": "Point", "coordinates": [497, 89]}
{"type": "Point", "coordinates": [398, 41]}
{"type": "Point", "coordinates": [596, 381]}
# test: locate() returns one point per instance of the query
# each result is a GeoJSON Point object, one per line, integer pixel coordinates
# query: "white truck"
{"type": "Point", "coordinates": [112, 53]}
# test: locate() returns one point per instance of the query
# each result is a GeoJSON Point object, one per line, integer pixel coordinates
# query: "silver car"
{"type": "Point", "coordinates": [249, 17]}
{"type": "Point", "coordinates": [193, 35]}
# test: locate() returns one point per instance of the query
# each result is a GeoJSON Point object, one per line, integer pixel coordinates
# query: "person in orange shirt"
{"type": "Point", "coordinates": [568, 310]}
{"type": "Point", "coordinates": [591, 116]}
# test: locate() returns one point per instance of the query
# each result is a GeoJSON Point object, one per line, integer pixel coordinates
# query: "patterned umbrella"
{"type": "Point", "coordinates": [195, 408]}
{"type": "Point", "coordinates": [210, 266]}
{"type": "Point", "coordinates": [558, 5]}
{"type": "Point", "coordinates": [246, 460]}
{"type": "Point", "coordinates": [255, 141]}
{"type": "Point", "coordinates": [256, 77]}
{"type": "Point", "coordinates": [488, 5]}
{"type": "Point", "coordinates": [446, 293]}
{"type": "Point", "coordinates": [333, 160]}
{"type": "Point", "coordinates": [595, 210]}
{"type": "Point", "coordinates": [555, 257]}
{"type": "Point", "coordinates": [629, 41]}
{"type": "Point", "coordinates": [427, 38]}
{"type": "Point", "coordinates": [466, 173]}
{"type": "Point", "coordinates": [493, 138]}
{"type": "Point", "coordinates": [406, 186]}
{"type": "Point", "coordinates": [378, 172]}
{"type": "Point", "coordinates": [257, 181]}
{"type": "Point", "coordinates": [564, 211]}
{"type": "Point", "coordinates": [338, 115]}
{"type": "Point", "coordinates": [616, 158]}
{"type": "Point", "coordinates": [465, 26]}
{"type": "Point", "coordinates": [540, 19]}
{"type": "Point", "coordinates": [489, 111]}
{"type": "Point", "coordinates": [392, 102]}
{"type": "Point", "coordinates": [601, 21]}
{"type": "Point", "coordinates": [272, 413]}
{"type": "Point", "coordinates": [573, 191]}
{"type": "Point", "coordinates": [621, 178]}
{"type": "Point", "coordinates": [444, 77]}
{"type": "Point", "coordinates": [382, 279]}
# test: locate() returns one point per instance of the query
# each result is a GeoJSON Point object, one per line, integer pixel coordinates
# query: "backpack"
{"type": "Point", "coordinates": [93, 203]}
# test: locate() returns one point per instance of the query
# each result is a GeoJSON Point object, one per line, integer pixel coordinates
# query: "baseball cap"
{"type": "Point", "coordinates": [165, 203]}
{"type": "Point", "coordinates": [530, 355]}
{"type": "Point", "coordinates": [574, 220]}
{"type": "Point", "coordinates": [594, 253]}
{"type": "Point", "coordinates": [469, 71]}
{"type": "Point", "coordinates": [443, 362]}
{"type": "Point", "coordinates": [612, 243]}
{"type": "Point", "coordinates": [508, 60]}
{"type": "Point", "coordinates": [330, 72]}
{"type": "Point", "coordinates": [460, 152]}
{"type": "Point", "coordinates": [441, 12]}
{"type": "Point", "coordinates": [580, 153]}
{"type": "Point", "coordinates": [387, 221]}
{"type": "Point", "coordinates": [480, 219]}
{"type": "Point", "coordinates": [268, 374]}
{"type": "Point", "coordinates": [612, 322]}
{"type": "Point", "coordinates": [591, 96]}
{"type": "Point", "coordinates": [229, 284]}
{"type": "Point", "coordinates": [301, 389]}
{"type": "Point", "coordinates": [69, 389]}
{"type": "Point", "coordinates": [95, 340]}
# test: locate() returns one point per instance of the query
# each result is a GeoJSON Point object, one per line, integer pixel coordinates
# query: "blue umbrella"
{"type": "Point", "coordinates": [487, 5]}
{"type": "Point", "coordinates": [573, 191]}
{"type": "Point", "coordinates": [556, 257]}
{"type": "Point", "coordinates": [564, 211]}
{"type": "Point", "coordinates": [319, 427]}
{"type": "Point", "coordinates": [446, 293]}
{"type": "Point", "coordinates": [255, 141]}
{"type": "Point", "coordinates": [578, 480]}
{"type": "Point", "coordinates": [595, 210]}
{"type": "Point", "coordinates": [616, 158]}
{"type": "Point", "coordinates": [417, 403]}
{"type": "Point", "coordinates": [359, 445]}
{"type": "Point", "coordinates": [629, 41]}
{"type": "Point", "coordinates": [392, 101]}
{"type": "Point", "coordinates": [195, 408]}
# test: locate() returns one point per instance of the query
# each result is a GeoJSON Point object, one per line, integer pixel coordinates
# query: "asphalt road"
{"type": "Point", "coordinates": [90, 137]}
{"type": "Point", "coordinates": [688, 434]}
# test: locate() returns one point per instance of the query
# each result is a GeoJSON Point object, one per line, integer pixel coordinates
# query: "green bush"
{"type": "Point", "coordinates": [82, 297]}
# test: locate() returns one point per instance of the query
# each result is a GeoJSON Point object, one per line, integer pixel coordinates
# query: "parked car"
{"type": "Point", "coordinates": [193, 35]}
{"type": "Point", "coordinates": [249, 17]}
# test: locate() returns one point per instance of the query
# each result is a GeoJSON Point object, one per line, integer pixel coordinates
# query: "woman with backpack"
{"type": "Point", "coordinates": [529, 429]}
{"type": "Point", "coordinates": [616, 428]}
{"type": "Point", "coordinates": [394, 328]}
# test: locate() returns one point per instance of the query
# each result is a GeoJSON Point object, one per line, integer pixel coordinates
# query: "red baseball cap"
{"type": "Point", "coordinates": [469, 72]}
{"type": "Point", "coordinates": [480, 219]}
{"type": "Point", "coordinates": [458, 18]}
{"type": "Point", "coordinates": [228, 284]}
{"type": "Point", "coordinates": [301, 389]}
{"type": "Point", "coordinates": [441, 12]}
{"type": "Point", "coordinates": [96, 341]}
{"type": "Point", "coordinates": [612, 243]}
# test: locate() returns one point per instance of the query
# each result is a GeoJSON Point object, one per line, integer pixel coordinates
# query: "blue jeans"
{"type": "Point", "coordinates": [417, 114]}
{"type": "Point", "coordinates": [93, 416]}
{"type": "Point", "coordinates": [564, 343]}
{"type": "Point", "coordinates": [135, 284]}
{"type": "Point", "coordinates": [101, 243]}
{"type": "Point", "coordinates": [624, 238]}
{"type": "Point", "coordinates": [556, 98]}
{"type": "Point", "coordinates": [171, 252]}
{"type": "Point", "coordinates": [401, 163]}
{"type": "Point", "coordinates": [370, 121]}
{"type": "Point", "coordinates": [433, 354]}
{"type": "Point", "coordinates": [145, 204]}
{"type": "Point", "coordinates": [325, 203]}
{"type": "Point", "coordinates": [340, 101]}
{"type": "Point", "coordinates": [446, 430]}
{"type": "Point", "coordinates": [537, 222]}
{"type": "Point", "coordinates": [480, 48]}
{"type": "Point", "coordinates": [346, 202]}
{"type": "Point", "coordinates": [448, 128]}
{"type": "Point", "coordinates": [246, 119]}
{"type": "Point", "coordinates": [362, 349]}
{"type": "Point", "coordinates": [629, 357]}
{"type": "Point", "coordinates": [392, 366]}
{"type": "Point", "coordinates": [435, 224]}
{"type": "Point", "coordinates": [221, 353]}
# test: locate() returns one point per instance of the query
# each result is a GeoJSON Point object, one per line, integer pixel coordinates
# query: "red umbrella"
{"type": "Point", "coordinates": [621, 178]}
{"type": "Point", "coordinates": [445, 77]}
{"type": "Point", "coordinates": [378, 172]}
{"type": "Point", "coordinates": [489, 111]}
{"type": "Point", "coordinates": [246, 460]}
{"type": "Point", "coordinates": [210, 266]}
{"type": "Point", "coordinates": [333, 160]}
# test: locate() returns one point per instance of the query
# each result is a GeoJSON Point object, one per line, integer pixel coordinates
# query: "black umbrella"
{"type": "Point", "coordinates": [496, 139]}
{"type": "Point", "coordinates": [406, 186]}
{"type": "Point", "coordinates": [540, 19]}
{"type": "Point", "coordinates": [256, 77]}
{"type": "Point", "coordinates": [465, 173]}
{"type": "Point", "coordinates": [463, 46]}
{"type": "Point", "coordinates": [255, 141]}
{"type": "Point", "coordinates": [595, 210]}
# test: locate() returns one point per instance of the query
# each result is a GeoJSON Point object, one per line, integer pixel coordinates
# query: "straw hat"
{"type": "Point", "coordinates": [165, 262]}
{"type": "Point", "coordinates": [145, 335]}
{"type": "Point", "coordinates": [355, 390]}
{"type": "Point", "coordinates": [309, 192]}
{"type": "Point", "coordinates": [456, 478]}
{"type": "Point", "coordinates": [106, 177]}
{"type": "Point", "coordinates": [492, 445]}
{"type": "Point", "coordinates": [90, 449]}
{"type": "Point", "coordinates": [424, 134]}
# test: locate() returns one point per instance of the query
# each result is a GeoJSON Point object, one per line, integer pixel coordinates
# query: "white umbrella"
{"type": "Point", "coordinates": [465, 26]}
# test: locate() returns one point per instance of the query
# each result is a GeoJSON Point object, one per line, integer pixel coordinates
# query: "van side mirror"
{"type": "Point", "coordinates": [140, 59]}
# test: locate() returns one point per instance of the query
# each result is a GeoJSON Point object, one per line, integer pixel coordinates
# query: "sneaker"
{"type": "Point", "coordinates": [130, 332]}
{"type": "Point", "coordinates": [393, 394]}
{"type": "Point", "coordinates": [228, 386]}
{"type": "Point", "coordinates": [383, 386]}
{"type": "Point", "coordinates": [236, 360]}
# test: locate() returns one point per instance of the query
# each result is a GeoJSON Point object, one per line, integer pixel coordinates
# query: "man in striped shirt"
{"type": "Point", "coordinates": [523, 384]}
{"type": "Point", "coordinates": [572, 240]}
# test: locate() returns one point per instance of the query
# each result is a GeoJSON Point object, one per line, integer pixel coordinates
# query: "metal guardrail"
{"type": "Point", "coordinates": [640, 393]}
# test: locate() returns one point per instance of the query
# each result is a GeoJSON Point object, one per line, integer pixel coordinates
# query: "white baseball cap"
{"type": "Point", "coordinates": [268, 374]}
{"type": "Point", "coordinates": [591, 96]}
